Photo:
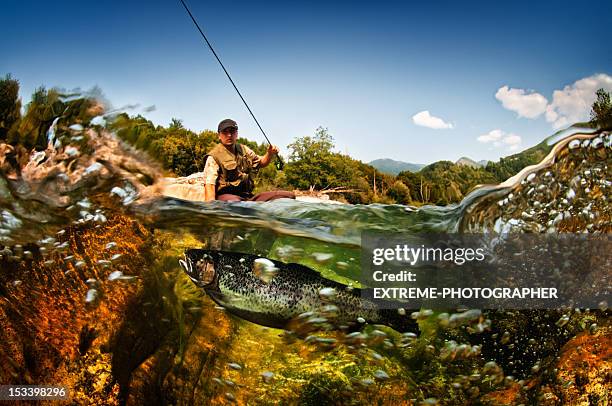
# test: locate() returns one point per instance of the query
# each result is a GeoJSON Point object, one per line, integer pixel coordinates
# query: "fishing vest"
{"type": "Point", "coordinates": [235, 171]}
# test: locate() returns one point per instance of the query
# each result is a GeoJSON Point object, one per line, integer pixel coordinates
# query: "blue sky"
{"type": "Point", "coordinates": [493, 78]}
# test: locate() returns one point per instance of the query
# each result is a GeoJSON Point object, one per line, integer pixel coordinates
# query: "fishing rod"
{"type": "Point", "coordinates": [279, 162]}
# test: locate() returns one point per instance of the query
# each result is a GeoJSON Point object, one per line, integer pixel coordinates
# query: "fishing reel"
{"type": "Point", "coordinates": [279, 163]}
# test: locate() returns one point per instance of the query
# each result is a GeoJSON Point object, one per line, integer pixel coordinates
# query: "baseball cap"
{"type": "Point", "coordinates": [226, 124]}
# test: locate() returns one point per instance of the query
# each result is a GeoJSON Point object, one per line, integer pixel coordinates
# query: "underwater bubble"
{"type": "Point", "coordinates": [264, 269]}
{"type": "Point", "coordinates": [360, 320]}
{"type": "Point", "coordinates": [99, 218]}
{"type": "Point", "coordinates": [305, 315]}
{"type": "Point", "coordinates": [377, 356]}
{"type": "Point", "coordinates": [330, 310]}
{"type": "Point", "coordinates": [286, 252]}
{"type": "Point", "coordinates": [93, 168]}
{"type": "Point", "coordinates": [422, 314]}
{"type": "Point", "coordinates": [71, 151]}
{"type": "Point", "coordinates": [401, 311]}
{"type": "Point", "coordinates": [326, 341]}
{"type": "Point", "coordinates": [8, 220]}
{"type": "Point", "coordinates": [563, 320]}
{"type": "Point", "coordinates": [91, 282]}
{"type": "Point", "coordinates": [327, 293]}
{"type": "Point", "coordinates": [316, 320]}
{"type": "Point", "coordinates": [322, 257]}
{"type": "Point", "coordinates": [381, 375]}
{"type": "Point", "coordinates": [115, 275]}
{"type": "Point", "coordinates": [593, 328]}
{"type": "Point", "coordinates": [91, 296]}
{"type": "Point", "coordinates": [267, 376]}
{"type": "Point", "coordinates": [342, 265]}
{"type": "Point", "coordinates": [378, 333]}
{"type": "Point", "coordinates": [235, 366]}
{"type": "Point", "coordinates": [573, 144]}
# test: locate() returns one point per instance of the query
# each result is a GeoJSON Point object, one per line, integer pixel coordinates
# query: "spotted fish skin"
{"type": "Point", "coordinates": [293, 290]}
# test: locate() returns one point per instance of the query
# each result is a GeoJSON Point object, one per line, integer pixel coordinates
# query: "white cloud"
{"type": "Point", "coordinates": [425, 119]}
{"type": "Point", "coordinates": [493, 135]}
{"type": "Point", "coordinates": [573, 103]}
{"type": "Point", "coordinates": [570, 105]}
{"type": "Point", "coordinates": [528, 105]}
{"type": "Point", "coordinates": [501, 138]}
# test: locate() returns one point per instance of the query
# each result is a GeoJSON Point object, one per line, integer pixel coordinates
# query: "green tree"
{"type": "Point", "coordinates": [601, 111]}
{"type": "Point", "coordinates": [309, 161]}
{"type": "Point", "coordinates": [399, 192]}
{"type": "Point", "coordinates": [46, 106]}
{"type": "Point", "coordinates": [176, 124]}
{"type": "Point", "coordinates": [10, 106]}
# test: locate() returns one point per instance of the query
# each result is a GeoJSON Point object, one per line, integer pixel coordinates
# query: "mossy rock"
{"type": "Point", "coordinates": [324, 389]}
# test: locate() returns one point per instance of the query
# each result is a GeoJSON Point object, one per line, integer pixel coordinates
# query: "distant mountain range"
{"type": "Point", "coordinates": [393, 167]}
{"type": "Point", "coordinates": [470, 162]}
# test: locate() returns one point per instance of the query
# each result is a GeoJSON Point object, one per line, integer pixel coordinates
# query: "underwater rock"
{"type": "Point", "coordinates": [583, 370]}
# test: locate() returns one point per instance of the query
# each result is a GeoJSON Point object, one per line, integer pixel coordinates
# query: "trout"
{"type": "Point", "coordinates": [272, 293]}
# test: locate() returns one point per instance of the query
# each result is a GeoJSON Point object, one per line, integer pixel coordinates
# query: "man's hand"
{"type": "Point", "coordinates": [272, 150]}
{"type": "Point", "coordinates": [270, 154]}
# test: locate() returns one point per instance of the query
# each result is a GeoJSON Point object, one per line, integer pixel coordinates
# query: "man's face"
{"type": "Point", "coordinates": [228, 136]}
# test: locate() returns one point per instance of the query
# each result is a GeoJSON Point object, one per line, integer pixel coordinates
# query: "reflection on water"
{"type": "Point", "coordinates": [94, 214]}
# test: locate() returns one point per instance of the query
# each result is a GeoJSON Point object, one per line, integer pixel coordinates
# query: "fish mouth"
{"type": "Point", "coordinates": [187, 266]}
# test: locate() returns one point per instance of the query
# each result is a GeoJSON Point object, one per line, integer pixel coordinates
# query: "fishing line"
{"type": "Point", "coordinates": [279, 162]}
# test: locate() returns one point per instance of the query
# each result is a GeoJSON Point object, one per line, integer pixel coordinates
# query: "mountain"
{"type": "Point", "coordinates": [465, 161]}
{"type": "Point", "coordinates": [392, 167]}
{"type": "Point", "coordinates": [470, 162]}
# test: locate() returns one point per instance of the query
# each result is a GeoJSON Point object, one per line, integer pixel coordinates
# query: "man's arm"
{"type": "Point", "coordinates": [211, 172]}
{"type": "Point", "coordinates": [209, 193]}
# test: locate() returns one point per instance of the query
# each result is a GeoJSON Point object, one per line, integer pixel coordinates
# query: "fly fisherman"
{"type": "Point", "coordinates": [229, 174]}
